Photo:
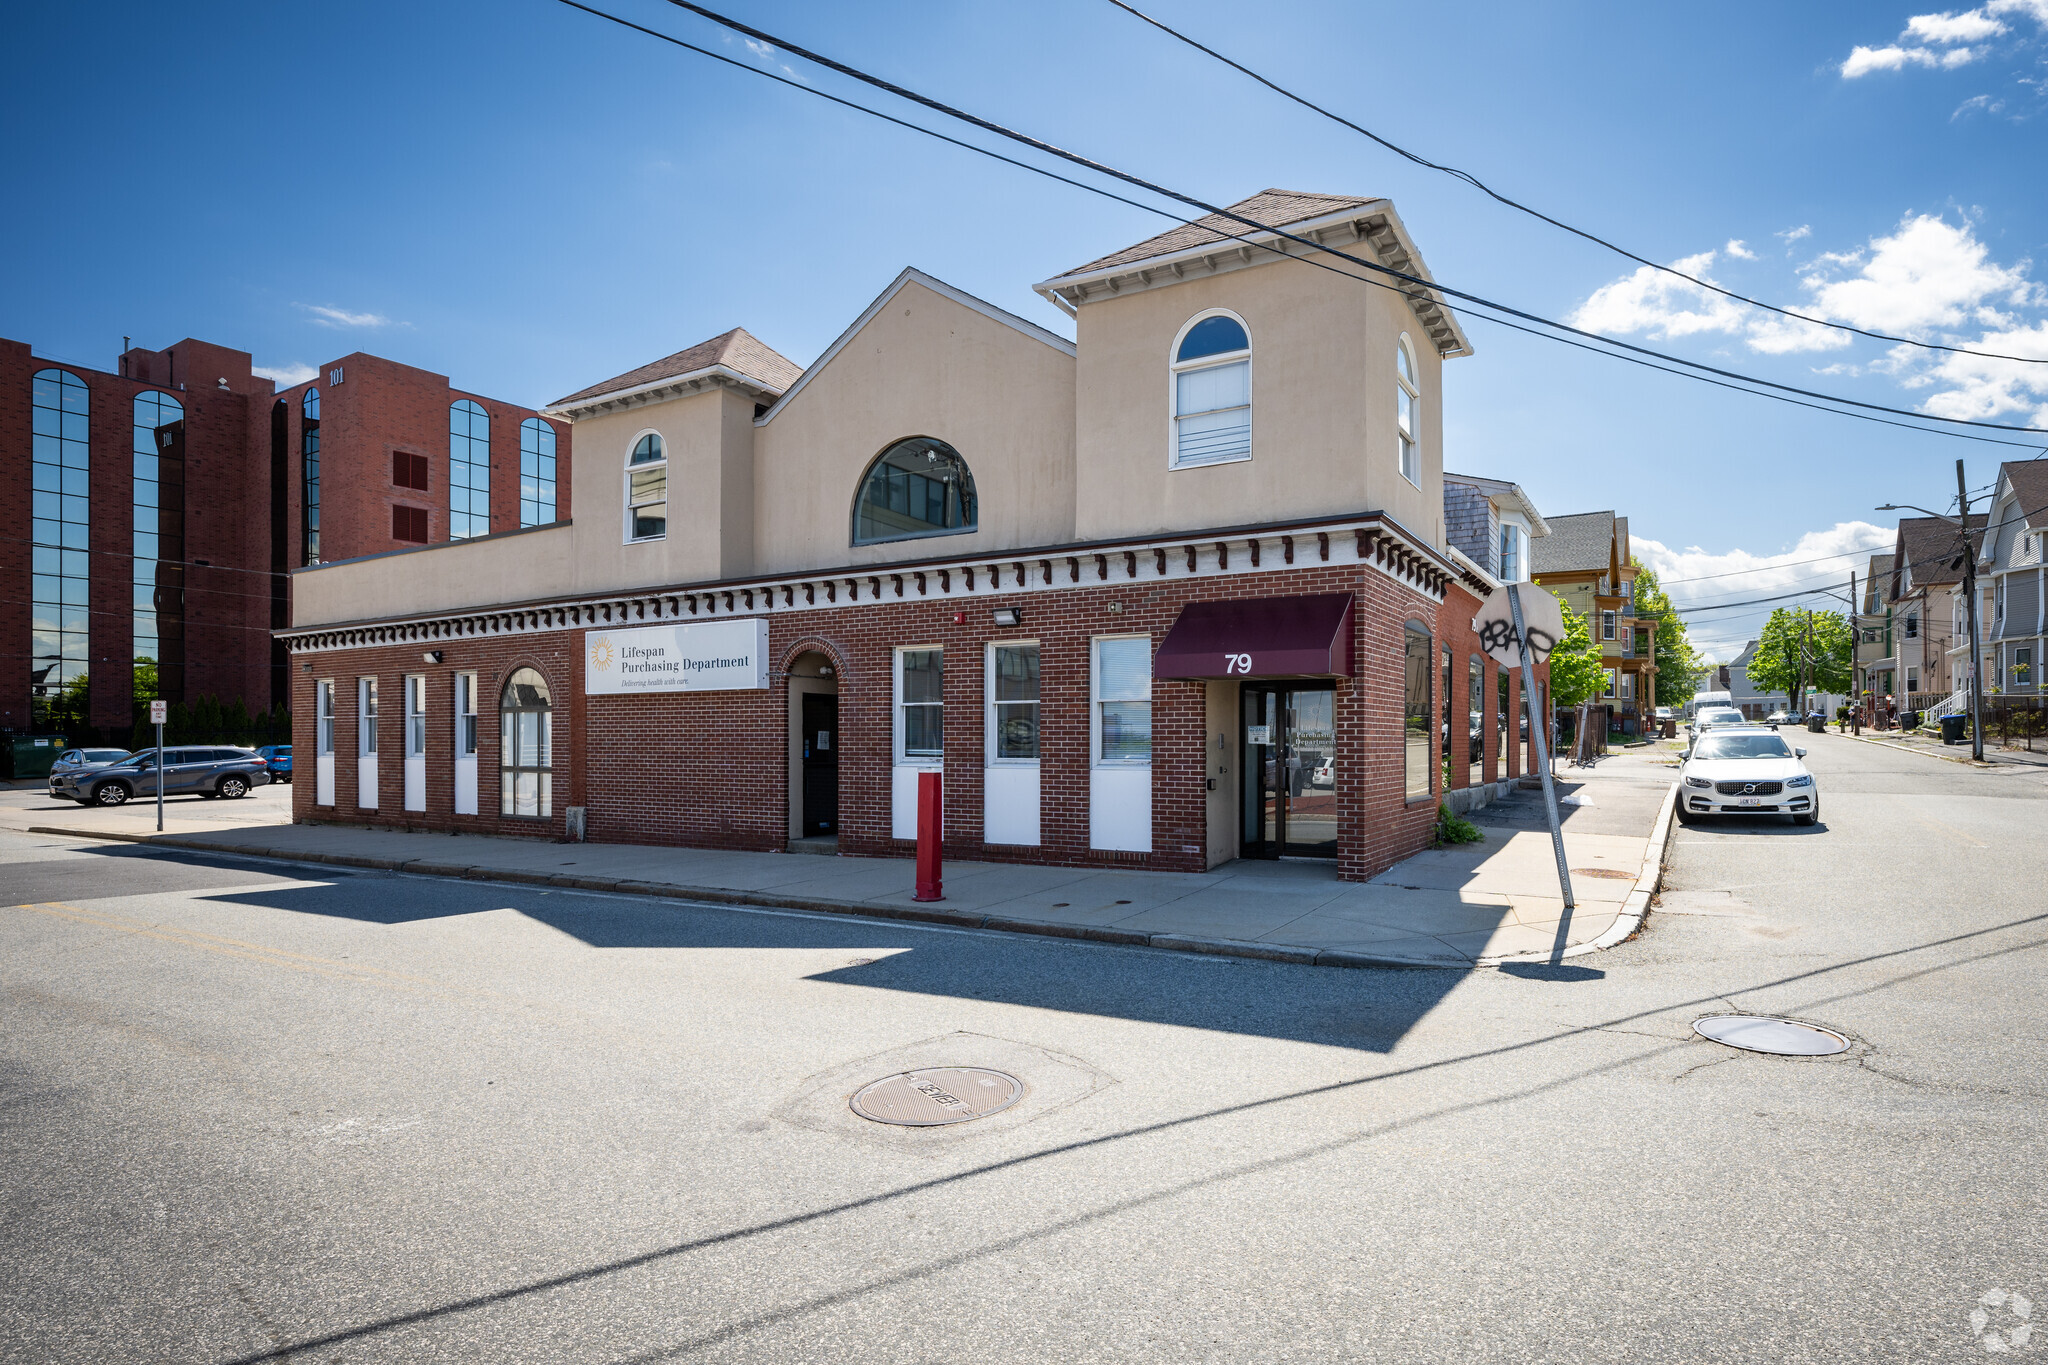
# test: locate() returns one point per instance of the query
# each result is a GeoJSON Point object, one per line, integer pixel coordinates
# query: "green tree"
{"type": "Point", "coordinates": [1800, 650]}
{"type": "Point", "coordinates": [1576, 672]}
{"type": "Point", "coordinates": [1679, 666]}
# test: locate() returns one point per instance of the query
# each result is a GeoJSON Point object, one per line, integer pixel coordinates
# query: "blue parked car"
{"type": "Point", "coordinates": [277, 760]}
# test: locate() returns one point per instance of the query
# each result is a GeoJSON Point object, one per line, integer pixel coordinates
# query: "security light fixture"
{"type": "Point", "coordinates": [1008, 616]}
{"type": "Point", "coordinates": [432, 656]}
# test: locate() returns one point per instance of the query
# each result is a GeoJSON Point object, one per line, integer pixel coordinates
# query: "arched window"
{"type": "Point", "coordinates": [1407, 401]}
{"type": "Point", "coordinates": [159, 448]}
{"type": "Point", "coordinates": [59, 478]}
{"type": "Point", "coordinates": [647, 489]}
{"type": "Point", "coordinates": [536, 472]}
{"type": "Point", "coordinates": [469, 470]}
{"type": "Point", "coordinates": [309, 468]}
{"type": "Point", "coordinates": [1416, 719]}
{"type": "Point", "coordinates": [526, 746]}
{"type": "Point", "coordinates": [917, 487]}
{"type": "Point", "coordinates": [1212, 392]}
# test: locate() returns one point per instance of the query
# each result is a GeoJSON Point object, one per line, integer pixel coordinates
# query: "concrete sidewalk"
{"type": "Point", "coordinates": [1472, 905]}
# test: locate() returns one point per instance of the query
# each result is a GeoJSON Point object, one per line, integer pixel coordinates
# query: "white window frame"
{"type": "Point", "coordinates": [1408, 440]}
{"type": "Point", "coordinates": [1912, 678]}
{"type": "Point", "coordinates": [415, 715]}
{"type": "Point", "coordinates": [989, 718]}
{"type": "Point", "coordinates": [1607, 624]}
{"type": "Point", "coordinates": [1511, 538]}
{"type": "Point", "coordinates": [626, 487]}
{"type": "Point", "coordinates": [1176, 367]}
{"type": "Point", "coordinates": [366, 716]}
{"type": "Point", "coordinates": [903, 760]}
{"type": "Point", "coordinates": [1612, 683]}
{"type": "Point", "coordinates": [323, 708]}
{"type": "Point", "coordinates": [1095, 700]}
{"type": "Point", "coordinates": [1912, 625]}
{"type": "Point", "coordinates": [465, 715]}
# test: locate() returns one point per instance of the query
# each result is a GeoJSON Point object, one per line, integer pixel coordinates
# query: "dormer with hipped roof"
{"type": "Point", "coordinates": [1229, 373]}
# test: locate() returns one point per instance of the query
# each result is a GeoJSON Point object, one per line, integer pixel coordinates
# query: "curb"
{"type": "Point", "coordinates": [1635, 908]}
{"type": "Point", "coordinates": [1945, 758]}
{"type": "Point", "coordinates": [958, 919]}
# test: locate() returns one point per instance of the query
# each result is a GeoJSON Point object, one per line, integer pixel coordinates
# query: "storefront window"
{"type": "Point", "coordinates": [1123, 699]}
{"type": "Point", "coordinates": [1501, 715]}
{"type": "Point", "coordinates": [526, 746]}
{"type": "Point", "coordinates": [921, 700]}
{"type": "Point", "coordinates": [1476, 722]}
{"type": "Point", "coordinates": [1416, 711]}
{"type": "Point", "coordinates": [1014, 694]}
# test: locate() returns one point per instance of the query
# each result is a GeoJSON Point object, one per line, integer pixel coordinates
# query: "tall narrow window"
{"type": "Point", "coordinates": [647, 489]}
{"type": "Point", "coordinates": [1476, 722]}
{"type": "Point", "coordinates": [366, 716]}
{"type": "Point", "coordinates": [1406, 405]}
{"type": "Point", "coordinates": [1013, 695]}
{"type": "Point", "coordinates": [323, 738]}
{"type": "Point", "coordinates": [465, 714]}
{"type": "Point", "coordinates": [918, 487]}
{"type": "Point", "coordinates": [536, 472]}
{"type": "Point", "coordinates": [526, 746]}
{"type": "Point", "coordinates": [1606, 625]}
{"type": "Point", "coordinates": [1510, 554]}
{"type": "Point", "coordinates": [309, 469]}
{"type": "Point", "coordinates": [1416, 708]}
{"type": "Point", "coordinates": [159, 549]}
{"type": "Point", "coordinates": [469, 470]}
{"type": "Point", "coordinates": [920, 703]}
{"type": "Point", "coordinates": [1212, 393]}
{"type": "Point", "coordinates": [415, 716]}
{"type": "Point", "coordinates": [60, 470]}
{"type": "Point", "coordinates": [1123, 699]}
{"type": "Point", "coordinates": [1502, 708]}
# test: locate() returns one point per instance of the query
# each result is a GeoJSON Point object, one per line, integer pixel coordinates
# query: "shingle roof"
{"type": "Point", "coordinates": [1931, 548]}
{"type": "Point", "coordinates": [1274, 208]}
{"type": "Point", "coordinates": [2030, 483]}
{"type": "Point", "coordinates": [736, 350]}
{"type": "Point", "coordinates": [1582, 540]}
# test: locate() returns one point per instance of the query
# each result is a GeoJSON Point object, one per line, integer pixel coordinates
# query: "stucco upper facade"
{"type": "Point", "coordinates": [1068, 443]}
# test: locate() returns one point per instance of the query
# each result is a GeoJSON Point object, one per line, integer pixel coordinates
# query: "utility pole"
{"type": "Point", "coordinates": [1976, 644]}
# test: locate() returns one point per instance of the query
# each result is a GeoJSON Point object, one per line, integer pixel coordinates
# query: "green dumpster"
{"type": "Point", "coordinates": [32, 755]}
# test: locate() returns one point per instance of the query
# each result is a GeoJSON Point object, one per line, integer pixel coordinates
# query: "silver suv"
{"type": "Point", "coordinates": [194, 771]}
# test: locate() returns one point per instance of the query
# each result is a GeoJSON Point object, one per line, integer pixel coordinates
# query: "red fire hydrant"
{"type": "Point", "coordinates": [930, 828]}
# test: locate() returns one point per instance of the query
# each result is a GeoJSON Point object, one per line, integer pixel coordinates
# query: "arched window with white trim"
{"type": "Point", "coordinates": [1407, 410]}
{"type": "Point", "coordinates": [526, 746]}
{"type": "Point", "coordinates": [1212, 391]}
{"type": "Point", "coordinates": [647, 489]}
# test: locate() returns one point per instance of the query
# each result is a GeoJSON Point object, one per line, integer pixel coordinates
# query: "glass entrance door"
{"type": "Point", "coordinates": [1290, 770]}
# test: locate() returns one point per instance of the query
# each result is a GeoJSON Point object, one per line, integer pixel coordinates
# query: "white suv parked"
{"type": "Point", "coordinates": [1746, 770]}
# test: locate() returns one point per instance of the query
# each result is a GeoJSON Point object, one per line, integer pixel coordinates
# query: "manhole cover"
{"type": "Point", "coordinates": [936, 1095]}
{"type": "Point", "coordinates": [1760, 1033]}
{"type": "Point", "coordinates": [1603, 872]}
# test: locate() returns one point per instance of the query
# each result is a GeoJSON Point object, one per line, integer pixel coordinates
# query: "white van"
{"type": "Point", "coordinates": [1704, 699]}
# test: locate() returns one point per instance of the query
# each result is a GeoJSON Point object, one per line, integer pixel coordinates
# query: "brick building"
{"type": "Point", "coordinates": [1170, 594]}
{"type": "Point", "coordinates": [152, 515]}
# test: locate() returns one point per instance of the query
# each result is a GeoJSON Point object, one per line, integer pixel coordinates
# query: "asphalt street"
{"type": "Point", "coordinates": [254, 1112]}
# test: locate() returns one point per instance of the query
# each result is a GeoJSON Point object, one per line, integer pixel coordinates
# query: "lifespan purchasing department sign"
{"type": "Point", "coordinates": [706, 656]}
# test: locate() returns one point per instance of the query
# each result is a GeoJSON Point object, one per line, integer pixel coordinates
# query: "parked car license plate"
{"type": "Point", "coordinates": [1749, 801]}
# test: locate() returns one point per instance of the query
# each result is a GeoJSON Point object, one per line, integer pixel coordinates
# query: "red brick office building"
{"type": "Point", "coordinates": [151, 516]}
{"type": "Point", "coordinates": [1064, 575]}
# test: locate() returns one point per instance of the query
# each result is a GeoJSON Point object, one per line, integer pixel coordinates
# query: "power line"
{"type": "Point", "coordinates": [1519, 207]}
{"type": "Point", "coordinates": [1253, 225]}
{"type": "Point", "coordinates": [1767, 568]}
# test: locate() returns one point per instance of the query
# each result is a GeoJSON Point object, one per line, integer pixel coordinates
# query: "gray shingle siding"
{"type": "Point", "coordinates": [1472, 525]}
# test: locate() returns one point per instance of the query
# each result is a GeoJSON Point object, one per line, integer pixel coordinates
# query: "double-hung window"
{"type": "Point", "coordinates": [465, 714]}
{"type": "Point", "coordinates": [1607, 625]}
{"type": "Point", "coordinates": [1212, 393]}
{"type": "Point", "coordinates": [1407, 403]}
{"type": "Point", "coordinates": [1122, 707]}
{"type": "Point", "coordinates": [647, 489]}
{"type": "Point", "coordinates": [324, 738]}
{"type": "Point", "coordinates": [1013, 703]}
{"type": "Point", "coordinates": [1510, 554]}
{"type": "Point", "coordinates": [415, 716]}
{"type": "Point", "coordinates": [366, 714]}
{"type": "Point", "coordinates": [920, 706]}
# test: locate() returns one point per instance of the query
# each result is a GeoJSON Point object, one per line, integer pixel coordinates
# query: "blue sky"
{"type": "Point", "coordinates": [529, 199]}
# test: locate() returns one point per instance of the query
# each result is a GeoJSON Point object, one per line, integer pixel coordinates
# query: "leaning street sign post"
{"type": "Point", "coordinates": [1513, 637]}
{"type": "Point", "coordinates": [157, 713]}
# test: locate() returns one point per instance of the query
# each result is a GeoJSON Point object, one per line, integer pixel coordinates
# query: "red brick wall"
{"type": "Point", "coordinates": [711, 769]}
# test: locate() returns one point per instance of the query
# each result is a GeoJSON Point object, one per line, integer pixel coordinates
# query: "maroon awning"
{"type": "Point", "coordinates": [1260, 637]}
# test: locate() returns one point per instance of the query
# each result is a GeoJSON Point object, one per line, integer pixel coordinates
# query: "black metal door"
{"type": "Point", "coordinates": [821, 764]}
{"type": "Point", "coordinates": [1289, 786]}
{"type": "Point", "coordinates": [1263, 789]}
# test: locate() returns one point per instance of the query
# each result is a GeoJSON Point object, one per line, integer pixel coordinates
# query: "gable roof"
{"type": "Point", "coordinates": [2029, 481]}
{"type": "Point", "coordinates": [1273, 208]}
{"type": "Point", "coordinates": [1580, 541]}
{"type": "Point", "coordinates": [737, 350]}
{"type": "Point", "coordinates": [1929, 552]}
{"type": "Point", "coordinates": [912, 275]}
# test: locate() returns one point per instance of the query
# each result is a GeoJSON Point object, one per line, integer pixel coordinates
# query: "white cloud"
{"type": "Point", "coordinates": [1927, 274]}
{"type": "Point", "coordinates": [284, 376]}
{"type": "Point", "coordinates": [1738, 250]}
{"type": "Point", "coordinates": [1864, 60]}
{"type": "Point", "coordinates": [1977, 388]}
{"type": "Point", "coordinates": [1779, 335]}
{"type": "Point", "coordinates": [324, 316]}
{"type": "Point", "coordinates": [1984, 104]}
{"type": "Point", "coordinates": [1968, 27]}
{"type": "Point", "coordinates": [1660, 304]}
{"type": "Point", "coordinates": [1791, 235]}
{"type": "Point", "coordinates": [1697, 577]}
